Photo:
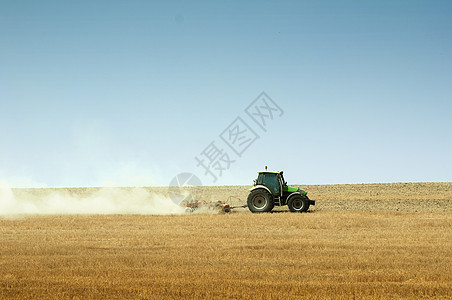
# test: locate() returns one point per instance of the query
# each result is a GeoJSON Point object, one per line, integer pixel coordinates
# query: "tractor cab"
{"type": "Point", "coordinates": [274, 181]}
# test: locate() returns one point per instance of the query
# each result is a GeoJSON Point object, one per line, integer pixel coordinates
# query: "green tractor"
{"type": "Point", "coordinates": [270, 189]}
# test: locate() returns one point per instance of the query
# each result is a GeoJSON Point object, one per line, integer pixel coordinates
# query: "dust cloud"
{"type": "Point", "coordinates": [96, 201]}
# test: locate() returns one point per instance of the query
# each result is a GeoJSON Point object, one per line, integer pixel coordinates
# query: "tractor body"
{"type": "Point", "coordinates": [270, 190]}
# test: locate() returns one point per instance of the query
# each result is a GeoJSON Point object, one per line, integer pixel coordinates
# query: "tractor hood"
{"type": "Point", "coordinates": [292, 189]}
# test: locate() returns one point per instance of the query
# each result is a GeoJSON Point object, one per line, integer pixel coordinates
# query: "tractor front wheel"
{"type": "Point", "coordinates": [260, 200]}
{"type": "Point", "coordinates": [298, 203]}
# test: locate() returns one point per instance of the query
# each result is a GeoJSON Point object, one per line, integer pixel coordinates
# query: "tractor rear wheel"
{"type": "Point", "coordinates": [298, 203]}
{"type": "Point", "coordinates": [259, 200]}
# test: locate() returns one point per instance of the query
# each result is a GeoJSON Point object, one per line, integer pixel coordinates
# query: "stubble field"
{"type": "Point", "coordinates": [360, 241]}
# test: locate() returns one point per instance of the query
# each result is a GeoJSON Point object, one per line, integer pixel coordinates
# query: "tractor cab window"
{"type": "Point", "coordinates": [271, 181]}
{"type": "Point", "coordinates": [260, 178]}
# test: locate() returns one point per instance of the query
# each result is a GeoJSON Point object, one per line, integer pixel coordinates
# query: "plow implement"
{"type": "Point", "coordinates": [215, 206]}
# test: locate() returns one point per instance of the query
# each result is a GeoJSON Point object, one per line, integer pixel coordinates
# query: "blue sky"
{"type": "Point", "coordinates": [129, 92]}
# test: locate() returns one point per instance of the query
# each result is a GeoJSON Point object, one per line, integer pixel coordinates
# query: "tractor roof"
{"type": "Point", "coordinates": [278, 172]}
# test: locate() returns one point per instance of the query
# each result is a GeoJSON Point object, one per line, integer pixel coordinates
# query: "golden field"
{"type": "Point", "coordinates": [390, 241]}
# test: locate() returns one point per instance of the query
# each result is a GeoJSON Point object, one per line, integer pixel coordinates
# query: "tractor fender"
{"type": "Point", "coordinates": [301, 193]}
{"type": "Point", "coordinates": [260, 187]}
{"type": "Point", "coordinates": [293, 194]}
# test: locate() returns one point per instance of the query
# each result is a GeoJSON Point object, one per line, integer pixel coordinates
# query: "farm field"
{"type": "Point", "coordinates": [391, 241]}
